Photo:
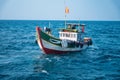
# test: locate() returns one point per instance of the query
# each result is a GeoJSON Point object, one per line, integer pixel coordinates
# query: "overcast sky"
{"type": "Point", "coordinates": [55, 9]}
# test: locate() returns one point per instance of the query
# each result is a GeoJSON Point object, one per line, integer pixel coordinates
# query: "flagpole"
{"type": "Point", "coordinates": [65, 13]}
{"type": "Point", "coordinates": [65, 20]}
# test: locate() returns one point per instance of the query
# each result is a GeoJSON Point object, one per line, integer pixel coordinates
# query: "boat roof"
{"type": "Point", "coordinates": [71, 27]}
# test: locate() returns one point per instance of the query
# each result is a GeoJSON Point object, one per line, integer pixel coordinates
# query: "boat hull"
{"type": "Point", "coordinates": [51, 45]}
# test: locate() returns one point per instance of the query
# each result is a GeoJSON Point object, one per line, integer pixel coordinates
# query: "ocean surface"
{"type": "Point", "coordinates": [22, 59]}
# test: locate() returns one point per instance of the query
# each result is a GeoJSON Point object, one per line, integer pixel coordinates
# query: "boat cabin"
{"type": "Point", "coordinates": [72, 32]}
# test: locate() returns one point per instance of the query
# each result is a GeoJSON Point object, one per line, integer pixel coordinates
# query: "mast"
{"type": "Point", "coordinates": [65, 20]}
{"type": "Point", "coordinates": [66, 12]}
{"type": "Point", "coordinates": [79, 20]}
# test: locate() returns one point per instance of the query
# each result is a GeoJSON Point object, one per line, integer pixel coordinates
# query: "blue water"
{"type": "Point", "coordinates": [22, 59]}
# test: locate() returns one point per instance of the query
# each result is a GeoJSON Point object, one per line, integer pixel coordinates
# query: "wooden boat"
{"type": "Point", "coordinates": [70, 39]}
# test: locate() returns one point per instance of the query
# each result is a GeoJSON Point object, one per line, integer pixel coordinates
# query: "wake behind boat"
{"type": "Point", "coordinates": [70, 39]}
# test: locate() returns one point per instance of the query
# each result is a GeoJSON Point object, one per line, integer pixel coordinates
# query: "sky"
{"type": "Point", "coordinates": [55, 9]}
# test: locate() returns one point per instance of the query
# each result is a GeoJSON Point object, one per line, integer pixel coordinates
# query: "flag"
{"type": "Point", "coordinates": [67, 10]}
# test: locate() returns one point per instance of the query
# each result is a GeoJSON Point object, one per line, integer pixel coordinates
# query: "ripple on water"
{"type": "Point", "coordinates": [21, 58]}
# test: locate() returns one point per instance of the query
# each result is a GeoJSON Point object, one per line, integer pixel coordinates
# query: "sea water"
{"type": "Point", "coordinates": [22, 59]}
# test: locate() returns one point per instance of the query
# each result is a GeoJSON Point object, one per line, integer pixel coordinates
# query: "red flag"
{"type": "Point", "coordinates": [67, 10]}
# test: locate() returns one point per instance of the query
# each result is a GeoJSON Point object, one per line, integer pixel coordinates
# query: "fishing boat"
{"type": "Point", "coordinates": [70, 39]}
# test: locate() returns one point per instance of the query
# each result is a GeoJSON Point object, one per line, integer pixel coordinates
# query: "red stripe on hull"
{"type": "Point", "coordinates": [51, 51]}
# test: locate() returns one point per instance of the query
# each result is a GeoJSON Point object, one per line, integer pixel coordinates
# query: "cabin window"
{"type": "Point", "coordinates": [71, 35]}
{"type": "Point", "coordinates": [67, 35]}
{"type": "Point", "coordinates": [60, 34]}
{"type": "Point", "coordinates": [74, 36]}
{"type": "Point", "coordinates": [63, 35]}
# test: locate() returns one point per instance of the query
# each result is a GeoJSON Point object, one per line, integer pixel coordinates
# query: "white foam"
{"type": "Point", "coordinates": [48, 59]}
{"type": "Point", "coordinates": [44, 71]}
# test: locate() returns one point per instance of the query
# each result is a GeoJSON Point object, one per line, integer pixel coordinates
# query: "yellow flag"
{"type": "Point", "coordinates": [67, 10]}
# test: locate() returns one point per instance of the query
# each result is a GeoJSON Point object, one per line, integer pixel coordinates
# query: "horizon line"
{"type": "Point", "coordinates": [53, 20]}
